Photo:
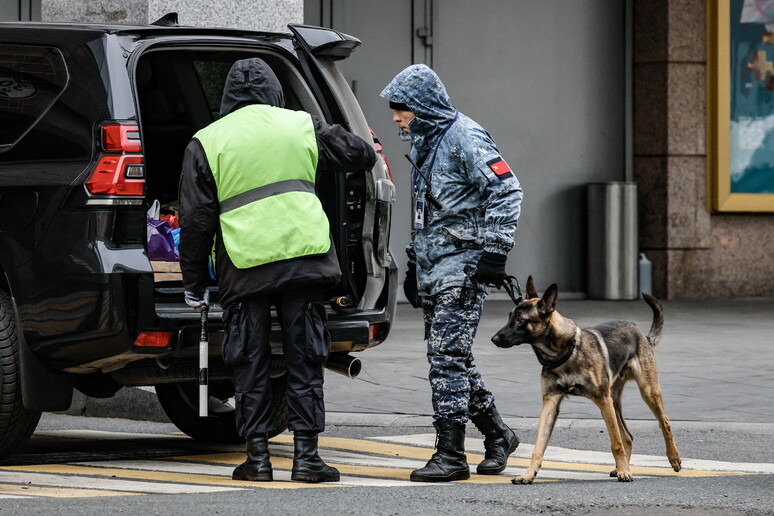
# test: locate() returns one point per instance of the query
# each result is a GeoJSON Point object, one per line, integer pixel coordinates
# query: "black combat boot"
{"type": "Point", "coordinates": [307, 465]}
{"type": "Point", "coordinates": [499, 441]}
{"type": "Point", "coordinates": [448, 462]}
{"type": "Point", "coordinates": [257, 467]}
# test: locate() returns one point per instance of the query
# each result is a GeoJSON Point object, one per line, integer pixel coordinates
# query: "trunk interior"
{"type": "Point", "coordinates": [179, 92]}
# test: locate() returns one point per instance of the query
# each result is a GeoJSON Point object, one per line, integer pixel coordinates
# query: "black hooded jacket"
{"type": "Point", "coordinates": [251, 81]}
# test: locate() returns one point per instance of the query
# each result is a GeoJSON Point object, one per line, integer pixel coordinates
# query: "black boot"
{"type": "Point", "coordinates": [448, 462]}
{"type": "Point", "coordinates": [499, 441]}
{"type": "Point", "coordinates": [257, 467]}
{"type": "Point", "coordinates": [307, 465]}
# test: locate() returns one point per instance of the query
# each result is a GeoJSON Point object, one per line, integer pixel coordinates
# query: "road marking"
{"type": "Point", "coordinates": [421, 448]}
{"type": "Point", "coordinates": [583, 460]}
{"type": "Point", "coordinates": [147, 474]}
{"type": "Point", "coordinates": [380, 461]}
{"type": "Point", "coordinates": [107, 485]}
{"type": "Point", "coordinates": [16, 491]}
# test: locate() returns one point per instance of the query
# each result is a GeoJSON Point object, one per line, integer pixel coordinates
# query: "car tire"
{"type": "Point", "coordinates": [180, 402]}
{"type": "Point", "coordinates": [16, 422]}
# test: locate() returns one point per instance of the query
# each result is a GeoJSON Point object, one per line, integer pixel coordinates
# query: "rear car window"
{"type": "Point", "coordinates": [212, 76]}
{"type": "Point", "coordinates": [31, 80]}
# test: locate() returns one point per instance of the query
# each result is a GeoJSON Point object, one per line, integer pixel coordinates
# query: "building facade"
{"type": "Point", "coordinates": [574, 93]}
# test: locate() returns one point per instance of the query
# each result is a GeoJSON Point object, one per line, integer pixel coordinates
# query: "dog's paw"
{"type": "Point", "coordinates": [625, 477]}
{"type": "Point", "coordinates": [614, 473]}
{"type": "Point", "coordinates": [676, 464]}
{"type": "Point", "coordinates": [522, 480]}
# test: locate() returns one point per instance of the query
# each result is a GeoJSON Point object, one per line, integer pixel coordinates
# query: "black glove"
{"type": "Point", "coordinates": [195, 301]}
{"type": "Point", "coordinates": [410, 285]}
{"type": "Point", "coordinates": [491, 269]}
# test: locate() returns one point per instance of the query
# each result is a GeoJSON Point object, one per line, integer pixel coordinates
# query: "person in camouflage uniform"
{"type": "Point", "coordinates": [466, 206]}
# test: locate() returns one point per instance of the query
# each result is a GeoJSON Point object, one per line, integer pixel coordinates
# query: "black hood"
{"type": "Point", "coordinates": [251, 81]}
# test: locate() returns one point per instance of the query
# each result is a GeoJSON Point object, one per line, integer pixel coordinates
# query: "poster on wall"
{"type": "Point", "coordinates": [741, 105]}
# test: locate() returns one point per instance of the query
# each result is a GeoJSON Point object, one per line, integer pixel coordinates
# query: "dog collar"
{"type": "Point", "coordinates": [553, 364]}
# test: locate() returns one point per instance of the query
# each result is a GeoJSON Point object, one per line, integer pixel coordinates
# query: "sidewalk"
{"type": "Point", "coordinates": [716, 364]}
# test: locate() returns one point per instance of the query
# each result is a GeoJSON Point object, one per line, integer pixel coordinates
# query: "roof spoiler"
{"type": "Point", "coordinates": [168, 20]}
{"type": "Point", "coordinates": [323, 42]}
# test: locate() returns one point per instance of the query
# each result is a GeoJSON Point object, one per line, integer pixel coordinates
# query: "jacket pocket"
{"type": "Point", "coordinates": [462, 238]}
{"type": "Point", "coordinates": [318, 340]}
{"type": "Point", "coordinates": [235, 337]}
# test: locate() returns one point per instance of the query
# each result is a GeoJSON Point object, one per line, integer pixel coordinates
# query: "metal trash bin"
{"type": "Point", "coordinates": [612, 240]}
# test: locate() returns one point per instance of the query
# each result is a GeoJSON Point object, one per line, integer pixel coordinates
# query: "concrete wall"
{"type": "Point", "coordinates": [695, 253]}
{"type": "Point", "coordinates": [266, 15]}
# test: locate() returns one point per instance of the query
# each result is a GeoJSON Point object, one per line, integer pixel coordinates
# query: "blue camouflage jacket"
{"type": "Point", "coordinates": [479, 195]}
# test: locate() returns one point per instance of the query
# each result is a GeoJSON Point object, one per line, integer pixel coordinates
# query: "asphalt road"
{"type": "Point", "coordinates": [715, 371]}
{"type": "Point", "coordinates": [101, 465]}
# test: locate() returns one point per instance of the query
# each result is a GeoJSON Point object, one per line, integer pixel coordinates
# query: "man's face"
{"type": "Point", "coordinates": [402, 118]}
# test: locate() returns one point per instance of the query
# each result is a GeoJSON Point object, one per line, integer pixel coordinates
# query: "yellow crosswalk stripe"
{"type": "Point", "coordinates": [158, 476]}
{"type": "Point", "coordinates": [344, 469]}
{"type": "Point", "coordinates": [372, 459]}
{"type": "Point", "coordinates": [59, 492]}
{"type": "Point", "coordinates": [415, 452]}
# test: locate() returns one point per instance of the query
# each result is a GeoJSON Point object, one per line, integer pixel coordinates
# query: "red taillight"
{"type": "Point", "coordinates": [120, 169]}
{"type": "Point", "coordinates": [378, 148]}
{"type": "Point", "coordinates": [377, 332]}
{"type": "Point", "coordinates": [110, 176]}
{"type": "Point", "coordinates": [121, 138]}
{"type": "Point", "coordinates": [154, 339]}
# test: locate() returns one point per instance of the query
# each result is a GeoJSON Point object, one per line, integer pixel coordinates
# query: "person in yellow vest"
{"type": "Point", "coordinates": [248, 184]}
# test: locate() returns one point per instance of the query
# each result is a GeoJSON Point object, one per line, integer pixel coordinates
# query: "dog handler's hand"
{"type": "Point", "coordinates": [410, 288]}
{"type": "Point", "coordinates": [195, 301]}
{"type": "Point", "coordinates": [491, 269]}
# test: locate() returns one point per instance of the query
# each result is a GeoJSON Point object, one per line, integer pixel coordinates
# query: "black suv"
{"type": "Point", "coordinates": [93, 123]}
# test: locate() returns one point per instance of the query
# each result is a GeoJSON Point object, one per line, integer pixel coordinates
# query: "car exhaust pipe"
{"type": "Point", "coordinates": [345, 364]}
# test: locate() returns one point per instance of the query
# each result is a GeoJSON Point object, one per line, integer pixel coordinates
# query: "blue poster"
{"type": "Point", "coordinates": [752, 96]}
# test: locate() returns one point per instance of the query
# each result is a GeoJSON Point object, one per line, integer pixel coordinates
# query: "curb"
{"type": "Point", "coordinates": [141, 404]}
{"type": "Point", "coordinates": [411, 420]}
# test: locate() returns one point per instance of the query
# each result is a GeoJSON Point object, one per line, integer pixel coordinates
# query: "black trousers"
{"type": "Point", "coordinates": [306, 344]}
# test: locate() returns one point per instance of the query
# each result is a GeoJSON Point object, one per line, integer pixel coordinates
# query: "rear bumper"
{"type": "Point", "coordinates": [352, 331]}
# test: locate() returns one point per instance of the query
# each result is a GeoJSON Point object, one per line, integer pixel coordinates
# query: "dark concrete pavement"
{"type": "Point", "coordinates": [716, 364]}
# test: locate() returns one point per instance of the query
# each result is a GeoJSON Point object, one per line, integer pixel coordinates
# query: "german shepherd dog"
{"type": "Point", "coordinates": [593, 362]}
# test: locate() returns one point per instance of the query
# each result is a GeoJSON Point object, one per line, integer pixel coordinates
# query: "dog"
{"type": "Point", "coordinates": [595, 363]}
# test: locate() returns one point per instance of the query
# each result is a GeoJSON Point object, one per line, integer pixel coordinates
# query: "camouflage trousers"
{"type": "Point", "coordinates": [450, 327]}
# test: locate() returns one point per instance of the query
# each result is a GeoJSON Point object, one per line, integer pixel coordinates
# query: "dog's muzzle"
{"type": "Point", "coordinates": [501, 341]}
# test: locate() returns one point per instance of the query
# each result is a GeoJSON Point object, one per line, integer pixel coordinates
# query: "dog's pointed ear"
{"type": "Point", "coordinates": [547, 304]}
{"type": "Point", "coordinates": [531, 290]}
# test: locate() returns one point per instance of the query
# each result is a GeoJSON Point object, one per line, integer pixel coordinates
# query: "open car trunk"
{"type": "Point", "coordinates": [179, 91]}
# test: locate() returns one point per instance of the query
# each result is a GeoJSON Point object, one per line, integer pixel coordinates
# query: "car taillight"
{"type": "Point", "coordinates": [377, 332]}
{"type": "Point", "coordinates": [154, 339]}
{"type": "Point", "coordinates": [121, 138]}
{"type": "Point", "coordinates": [378, 147]}
{"type": "Point", "coordinates": [120, 169]}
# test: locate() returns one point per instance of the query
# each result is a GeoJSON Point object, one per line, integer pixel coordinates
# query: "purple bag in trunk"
{"type": "Point", "coordinates": [161, 245]}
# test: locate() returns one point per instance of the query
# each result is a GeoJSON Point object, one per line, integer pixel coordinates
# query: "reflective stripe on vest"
{"type": "Point", "coordinates": [264, 161]}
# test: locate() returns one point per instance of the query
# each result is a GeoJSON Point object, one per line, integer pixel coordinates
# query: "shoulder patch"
{"type": "Point", "coordinates": [500, 168]}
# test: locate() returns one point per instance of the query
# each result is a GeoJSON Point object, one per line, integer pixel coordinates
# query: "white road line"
{"type": "Point", "coordinates": [136, 486]}
{"type": "Point", "coordinates": [559, 454]}
{"type": "Point", "coordinates": [165, 466]}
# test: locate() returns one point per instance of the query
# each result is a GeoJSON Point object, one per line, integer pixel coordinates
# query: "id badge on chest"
{"type": "Point", "coordinates": [419, 214]}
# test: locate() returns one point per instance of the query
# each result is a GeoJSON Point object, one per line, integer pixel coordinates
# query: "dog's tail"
{"type": "Point", "coordinates": [654, 335]}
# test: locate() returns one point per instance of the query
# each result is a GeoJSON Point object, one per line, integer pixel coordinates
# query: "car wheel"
{"type": "Point", "coordinates": [180, 402]}
{"type": "Point", "coordinates": [16, 422]}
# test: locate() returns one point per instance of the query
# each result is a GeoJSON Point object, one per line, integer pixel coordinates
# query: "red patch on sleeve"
{"type": "Point", "coordinates": [500, 167]}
